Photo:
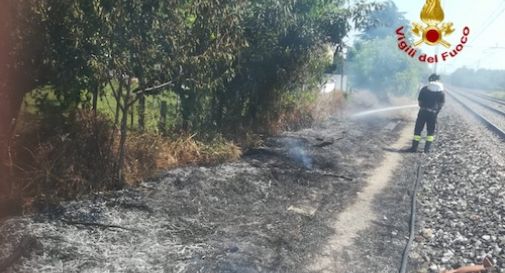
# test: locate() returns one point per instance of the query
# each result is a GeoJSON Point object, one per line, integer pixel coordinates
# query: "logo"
{"type": "Point", "coordinates": [432, 32]}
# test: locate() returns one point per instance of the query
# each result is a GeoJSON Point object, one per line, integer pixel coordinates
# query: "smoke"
{"type": "Point", "coordinates": [384, 110]}
{"type": "Point", "coordinates": [366, 107]}
{"type": "Point", "coordinates": [297, 153]}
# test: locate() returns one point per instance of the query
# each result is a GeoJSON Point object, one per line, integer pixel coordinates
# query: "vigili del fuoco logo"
{"type": "Point", "coordinates": [432, 32]}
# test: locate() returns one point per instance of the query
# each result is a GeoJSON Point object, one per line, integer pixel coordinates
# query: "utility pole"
{"type": "Point", "coordinates": [436, 64]}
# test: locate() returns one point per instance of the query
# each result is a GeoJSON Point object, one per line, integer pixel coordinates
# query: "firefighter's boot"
{"type": "Point", "coordinates": [427, 147]}
{"type": "Point", "coordinates": [415, 145]}
{"type": "Point", "coordinates": [429, 142]}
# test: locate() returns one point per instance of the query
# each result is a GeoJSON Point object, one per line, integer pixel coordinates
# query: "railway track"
{"type": "Point", "coordinates": [489, 98]}
{"type": "Point", "coordinates": [480, 101]}
{"type": "Point", "coordinates": [499, 131]}
{"type": "Point", "coordinates": [485, 118]}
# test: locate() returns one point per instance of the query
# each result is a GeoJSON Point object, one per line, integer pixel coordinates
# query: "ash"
{"type": "Point", "coordinates": [269, 212]}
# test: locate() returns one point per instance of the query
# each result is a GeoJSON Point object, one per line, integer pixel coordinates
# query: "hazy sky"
{"type": "Point", "coordinates": [486, 19]}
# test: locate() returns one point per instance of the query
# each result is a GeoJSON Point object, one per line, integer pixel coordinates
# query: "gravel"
{"type": "Point", "coordinates": [461, 204]}
{"type": "Point", "coordinates": [496, 118]}
{"type": "Point", "coordinates": [462, 200]}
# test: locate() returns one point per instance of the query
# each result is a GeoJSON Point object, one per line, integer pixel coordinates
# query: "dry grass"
{"type": "Point", "coordinates": [328, 104]}
{"type": "Point", "coordinates": [148, 154]}
{"type": "Point", "coordinates": [306, 112]}
{"type": "Point", "coordinates": [65, 160]}
{"type": "Point", "coordinates": [80, 157]}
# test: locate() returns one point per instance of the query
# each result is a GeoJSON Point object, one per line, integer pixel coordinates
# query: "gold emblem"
{"type": "Point", "coordinates": [433, 31]}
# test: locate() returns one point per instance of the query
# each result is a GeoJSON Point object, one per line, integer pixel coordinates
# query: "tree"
{"type": "Point", "coordinates": [375, 62]}
{"type": "Point", "coordinates": [231, 63]}
{"type": "Point", "coordinates": [184, 45]}
{"type": "Point", "coordinates": [384, 69]}
{"type": "Point", "coordinates": [383, 22]}
{"type": "Point", "coordinates": [286, 55]}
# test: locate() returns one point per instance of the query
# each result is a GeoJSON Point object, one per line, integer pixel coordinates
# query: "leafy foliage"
{"type": "Point", "coordinates": [382, 68]}
{"type": "Point", "coordinates": [382, 21]}
{"type": "Point", "coordinates": [226, 58]}
{"type": "Point", "coordinates": [375, 61]}
{"type": "Point", "coordinates": [234, 65]}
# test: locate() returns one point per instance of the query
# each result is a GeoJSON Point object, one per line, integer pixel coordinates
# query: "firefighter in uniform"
{"type": "Point", "coordinates": [431, 100]}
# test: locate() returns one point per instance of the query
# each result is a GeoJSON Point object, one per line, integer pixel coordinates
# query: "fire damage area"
{"type": "Point", "coordinates": [268, 212]}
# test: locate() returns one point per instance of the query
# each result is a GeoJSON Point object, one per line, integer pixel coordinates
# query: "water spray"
{"type": "Point", "coordinates": [383, 110]}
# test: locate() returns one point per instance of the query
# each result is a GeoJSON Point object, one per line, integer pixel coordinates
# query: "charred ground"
{"type": "Point", "coordinates": [269, 212]}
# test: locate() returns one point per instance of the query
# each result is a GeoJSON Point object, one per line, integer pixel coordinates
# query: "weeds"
{"type": "Point", "coordinates": [150, 153]}
{"type": "Point", "coordinates": [66, 156]}
{"type": "Point", "coordinates": [66, 160]}
{"type": "Point", "coordinates": [304, 112]}
{"type": "Point", "coordinates": [79, 156]}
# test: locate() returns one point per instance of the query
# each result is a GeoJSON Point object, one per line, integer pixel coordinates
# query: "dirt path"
{"type": "Point", "coordinates": [359, 215]}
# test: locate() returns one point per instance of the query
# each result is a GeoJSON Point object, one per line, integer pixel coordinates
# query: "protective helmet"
{"type": "Point", "coordinates": [434, 77]}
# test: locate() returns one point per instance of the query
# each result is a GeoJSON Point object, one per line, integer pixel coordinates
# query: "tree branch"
{"type": "Point", "coordinates": [140, 91]}
{"type": "Point", "coordinates": [116, 95]}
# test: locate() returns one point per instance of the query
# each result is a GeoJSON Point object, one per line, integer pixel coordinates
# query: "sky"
{"type": "Point", "coordinates": [486, 20]}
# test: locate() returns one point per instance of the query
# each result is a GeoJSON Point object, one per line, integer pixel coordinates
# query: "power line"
{"type": "Point", "coordinates": [487, 47]}
{"type": "Point", "coordinates": [492, 19]}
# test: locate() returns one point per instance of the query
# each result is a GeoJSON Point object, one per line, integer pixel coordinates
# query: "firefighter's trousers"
{"type": "Point", "coordinates": [429, 119]}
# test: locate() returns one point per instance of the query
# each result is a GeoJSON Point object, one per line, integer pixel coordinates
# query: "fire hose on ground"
{"type": "Point", "coordinates": [487, 263]}
{"type": "Point", "coordinates": [412, 223]}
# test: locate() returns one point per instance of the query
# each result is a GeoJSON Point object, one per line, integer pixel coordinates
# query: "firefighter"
{"type": "Point", "coordinates": [431, 100]}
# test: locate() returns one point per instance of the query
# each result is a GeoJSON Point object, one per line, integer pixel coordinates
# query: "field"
{"type": "Point", "coordinates": [41, 99]}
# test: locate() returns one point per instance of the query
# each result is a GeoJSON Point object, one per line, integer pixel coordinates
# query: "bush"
{"type": "Point", "coordinates": [79, 156]}
{"type": "Point", "coordinates": [81, 160]}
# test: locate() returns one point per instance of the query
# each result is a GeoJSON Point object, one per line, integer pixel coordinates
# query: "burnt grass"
{"type": "Point", "coordinates": [271, 211]}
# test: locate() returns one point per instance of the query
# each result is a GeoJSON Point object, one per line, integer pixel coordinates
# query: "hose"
{"type": "Point", "coordinates": [412, 224]}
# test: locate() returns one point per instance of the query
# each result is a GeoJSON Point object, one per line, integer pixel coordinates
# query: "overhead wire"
{"type": "Point", "coordinates": [495, 14]}
{"type": "Point", "coordinates": [491, 19]}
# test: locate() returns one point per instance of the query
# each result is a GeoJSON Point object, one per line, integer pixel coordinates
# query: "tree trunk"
{"type": "Point", "coordinates": [219, 111]}
{"type": "Point", "coordinates": [122, 142]}
{"type": "Point", "coordinates": [124, 131]}
{"type": "Point", "coordinates": [96, 93]}
{"type": "Point", "coordinates": [118, 104]}
{"type": "Point", "coordinates": [132, 116]}
{"type": "Point", "coordinates": [116, 114]}
{"type": "Point", "coordinates": [142, 112]}
{"type": "Point", "coordinates": [188, 100]}
{"type": "Point", "coordinates": [163, 117]}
